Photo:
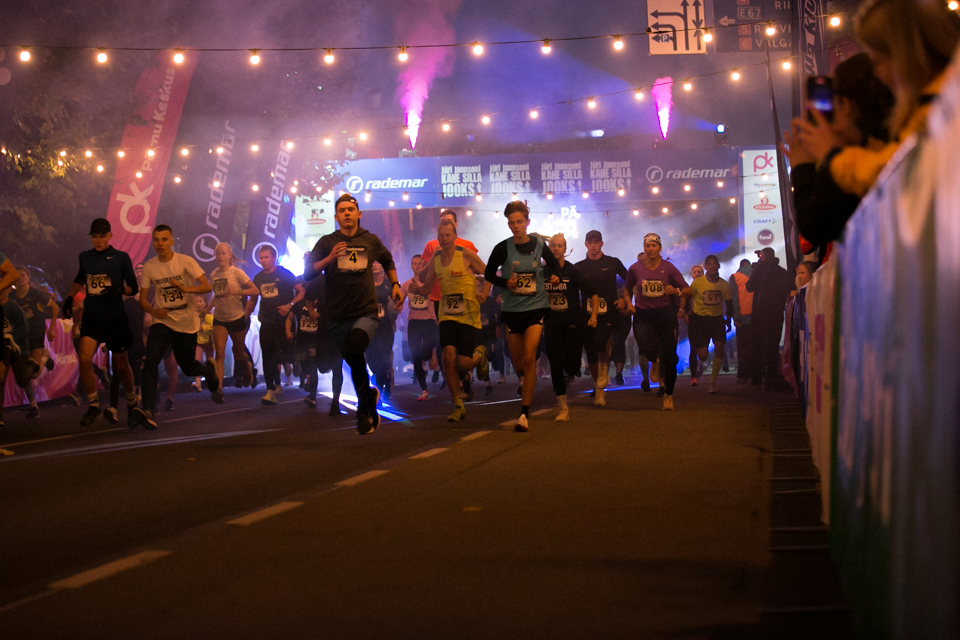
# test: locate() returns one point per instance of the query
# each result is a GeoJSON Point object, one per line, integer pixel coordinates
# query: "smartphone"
{"type": "Point", "coordinates": [820, 96]}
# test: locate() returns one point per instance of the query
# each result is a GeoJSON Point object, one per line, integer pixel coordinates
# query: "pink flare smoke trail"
{"type": "Point", "coordinates": [662, 93]}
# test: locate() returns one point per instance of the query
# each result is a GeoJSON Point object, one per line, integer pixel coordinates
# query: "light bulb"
{"type": "Point", "coordinates": [686, 187]}
{"type": "Point", "coordinates": [99, 167]}
{"type": "Point", "coordinates": [406, 196]}
{"type": "Point", "coordinates": [102, 57]}
{"type": "Point", "coordinates": [63, 154]}
{"type": "Point", "coordinates": [177, 56]}
{"type": "Point", "coordinates": [549, 195]}
{"type": "Point", "coordinates": [59, 163]}
{"type": "Point", "coordinates": [445, 126]}
{"type": "Point", "coordinates": [254, 57]}
{"type": "Point", "coordinates": [469, 212]}
{"type": "Point", "coordinates": [694, 206]}
{"type": "Point", "coordinates": [636, 212]}
{"type": "Point", "coordinates": [255, 187]}
{"type": "Point", "coordinates": [363, 135]}
{"type": "Point", "coordinates": [534, 114]}
{"type": "Point", "coordinates": [835, 20]}
{"type": "Point", "coordinates": [586, 195]}
{"type": "Point", "coordinates": [617, 43]}
{"type": "Point", "coordinates": [639, 95]}
{"type": "Point", "coordinates": [139, 174]}
{"type": "Point", "coordinates": [402, 56]}
{"type": "Point", "coordinates": [419, 206]}
{"type": "Point", "coordinates": [477, 48]}
{"type": "Point", "coordinates": [216, 184]}
{"type": "Point", "coordinates": [25, 56]}
{"type": "Point", "coordinates": [592, 103]}
{"type": "Point", "coordinates": [219, 150]}
{"type": "Point", "coordinates": [687, 85]}
{"type": "Point", "coordinates": [546, 47]}
{"type": "Point", "coordinates": [720, 184]}
{"type": "Point", "coordinates": [293, 189]}
{"type": "Point", "coordinates": [655, 190]}
{"type": "Point", "coordinates": [735, 75]}
{"type": "Point", "coordinates": [665, 210]}
{"type": "Point", "coordinates": [176, 179]}
{"type": "Point", "coordinates": [479, 197]}
{"type": "Point", "coordinates": [391, 203]}
{"type": "Point", "coordinates": [787, 65]}
{"type": "Point", "coordinates": [485, 119]}
{"type": "Point", "coordinates": [120, 153]}
{"type": "Point", "coordinates": [328, 58]}
{"type": "Point", "coordinates": [707, 36]}
{"type": "Point", "coordinates": [621, 192]}
{"type": "Point", "coordinates": [733, 201]}
{"type": "Point", "coordinates": [88, 153]}
{"type": "Point", "coordinates": [771, 30]}
{"type": "Point", "coordinates": [327, 141]}
{"type": "Point", "coordinates": [151, 152]}
{"type": "Point", "coordinates": [253, 147]}
{"type": "Point", "coordinates": [184, 152]}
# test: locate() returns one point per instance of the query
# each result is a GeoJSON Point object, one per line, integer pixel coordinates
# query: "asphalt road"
{"type": "Point", "coordinates": [245, 521]}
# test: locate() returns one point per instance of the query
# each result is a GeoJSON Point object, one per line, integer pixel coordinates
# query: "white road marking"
{"type": "Point", "coordinates": [220, 413]}
{"type": "Point", "coordinates": [485, 404]}
{"type": "Point", "coordinates": [363, 477]}
{"type": "Point", "coordinates": [72, 435]}
{"type": "Point", "coordinates": [427, 454]}
{"type": "Point", "coordinates": [109, 569]}
{"type": "Point", "coordinates": [541, 412]}
{"type": "Point", "coordinates": [474, 435]}
{"type": "Point", "coordinates": [263, 514]}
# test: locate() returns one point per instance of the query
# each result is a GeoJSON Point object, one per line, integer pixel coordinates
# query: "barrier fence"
{"type": "Point", "coordinates": [883, 395]}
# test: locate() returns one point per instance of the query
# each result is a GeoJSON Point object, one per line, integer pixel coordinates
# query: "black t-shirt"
{"type": "Point", "coordinates": [104, 273]}
{"type": "Point", "coordinates": [499, 255]}
{"type": "Point", "coordinates": [34, 306]}
{"type": "Point", "coordinates": [276, 289]}
{"type": "Point", "coordinates": [350, 292]}
{"type": "Point", "coordinates": [565, 296]}
{"type": "Point", "coordinates": [601, 277]}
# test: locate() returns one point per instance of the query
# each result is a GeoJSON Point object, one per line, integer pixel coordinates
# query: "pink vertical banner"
{"type": "Point", "coordinates": [162, 90]}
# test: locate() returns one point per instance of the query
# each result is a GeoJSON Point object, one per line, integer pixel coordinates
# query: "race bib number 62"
{"type": "Point", "coordinates": [526, 284]}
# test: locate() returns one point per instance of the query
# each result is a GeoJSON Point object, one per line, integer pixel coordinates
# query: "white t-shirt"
{"type": "Point", "coordinates": [227, 285]}
{"type": "Point", "coordinates": [181, 306]}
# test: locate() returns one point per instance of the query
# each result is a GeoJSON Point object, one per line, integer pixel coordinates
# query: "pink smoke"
{"type": "Point", "coordinates": [419, 22]}
{"type": "Point", "coordinates": [663, 99]}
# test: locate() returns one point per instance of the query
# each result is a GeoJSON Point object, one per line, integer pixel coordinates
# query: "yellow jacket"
{"type": "Point", "coordinates": [855, 169]}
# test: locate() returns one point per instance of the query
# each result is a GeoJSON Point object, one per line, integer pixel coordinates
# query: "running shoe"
{"type": "Point", "coordinates": [368, 420]}
{"type": "Point", "coordinates": [310, 402]}
{"type": "Point", "coordinates": [335, 409]}
{"type": "Point", "coordinates": [135, 416]}
{"type": "Point", "coordinates": [33, 412]}
{"type": "Point", "coordinates": [712, 387]}
{"type": "Point", "coordinates": [196, 387]}
{"type": "Point", "coordinates": [483, 364]}
{"type": "Point", "coordinates": [149, 422]}
{"type": "Point", "coordinates": [269, 399]}
{"type": "Point", "coordinates": [522, 425]}
{"type": "Point", "coordinates": [564, 415]}
{"type": "Point", "coordinates": [443, 385]}
{"type": "Point", "coordinates": [49, 363]}
{"type": "Point", "coordinates": [213, 385]}
{"type": "Point", "coordinates": [655, 371]}
{"type": "Point", "coordinates": [435, 377]}
{"type": "Point", "coordinates": [520, 390]}
{"type": "Point", "coordinates": [488, 390]}
{"type": "Point", "coordinates": [662, 391]}
{"type": "Point", "coordinates": [601, 398]}
{"type": "Point", "coordinates": [217, 396]}
{"type": "Point", "coordinates": [90, 416]}
{"type": "Point", "coordinates": [459, 414]}
{"type": "Point", "coordinates": [620, 381]}
{"type": "Point", "coordinates": [278, 389]}
{"type": "Point", "coordinates": [75, 399]}
{"type": "Point", "coordinates": [111, 415]}
{"type": "Point", "coordinates": [424, 396]}
{"type": "Point", "coordinates": [645, 386]}
{"type": "Point", "coordinates": [253, 379]}
{"type": "Point", "coordinates": [693, 382]}
{"type": "Point", "coordinates": [238, 382]}
{"type": "Point", "coordinates": [168, 405]}
{"type": "Point", "coordinates": [668, 403]}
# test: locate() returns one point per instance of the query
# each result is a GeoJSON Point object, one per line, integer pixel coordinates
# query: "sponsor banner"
{"type": "Point", "coordinates": [134, 201]}
{"type": "Point", "coordinates": [812, 44]}
{"type": "Point", "coordinates": [203, 207]}
{"type": "Point", "coordinates": [761, 204]}
{"type": "Point", "coordinates": [312, 219]}
{"type": "Point", "coordinates": [606, 177]}
{"type": "Point", "coordinates": [272, 209]}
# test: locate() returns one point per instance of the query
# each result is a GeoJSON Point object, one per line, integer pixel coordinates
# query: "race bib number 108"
{"type": "Point", "coordinates": [652, 288]}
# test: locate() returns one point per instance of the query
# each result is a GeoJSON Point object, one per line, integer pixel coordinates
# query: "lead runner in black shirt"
{"type": "Point", "coordinates": [346, 258]}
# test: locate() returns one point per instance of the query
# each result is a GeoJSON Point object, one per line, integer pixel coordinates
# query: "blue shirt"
{"type": "Point", "coordinates": [104, 273]}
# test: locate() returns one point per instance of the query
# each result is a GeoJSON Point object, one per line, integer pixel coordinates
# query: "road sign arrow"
{"type": "Point", "coordinates": [726, 22]}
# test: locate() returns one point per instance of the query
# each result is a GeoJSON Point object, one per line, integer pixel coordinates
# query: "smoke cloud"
{"type": "Point", "coordinates": [663, 99]}
{"type": "Point", "coordinates": [423, 23]}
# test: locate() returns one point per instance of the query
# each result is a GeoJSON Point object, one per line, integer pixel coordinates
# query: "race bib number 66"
{"type": "Point", "coordinates": [97, 284]}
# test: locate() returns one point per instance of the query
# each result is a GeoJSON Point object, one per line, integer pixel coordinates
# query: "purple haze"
{"type": "Point", "coordinates": [663, 99]}
{"type": "Point", "coordinates": [423, 23]}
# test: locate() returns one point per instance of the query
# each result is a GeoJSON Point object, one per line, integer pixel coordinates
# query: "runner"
{"type": "Point", "coordinates": [204, 339]}
{"type": "Point", "coordinates": [381, 346]}
{"type": "Point", "coordinates": [14, 349]}
{"type": "Point", "coordinates": [421, 327]}
{"type": "Point", "coordinates": [136, 352]}
{"type": "Point", "coordinates": [175, 278]}
{"type": "Point", "coordinates": [708, 322]}
{"type": "Point", "coordinates": [230, 319]}
{"type": "Point", "coordinates": [686, 309]}
{"type": "Point", "coordinates": [489, 337]}
{"type": "Point", "coordinates": [655, 280]}
{"type": "Point", "coordinates": [277, 295]}
{"type": "Point", "coordinates": [37, 307]}
{"type": "Point", "coordinates": [318, 352]}
{"type": "Point", "coordinates": [455, 268]}
{"type": "Point", "coordinates": [622, 322]}
{"type": "Point", "coordinates": [106, 274]}
{"type": "Point", "coordinates": [346, 257]}
{"type": "Point", "coordinates": [564, 326]}
{"type": "Point", "coordinates": [525, 301]}
{"type": "Point", "coordinates": [600, 273]}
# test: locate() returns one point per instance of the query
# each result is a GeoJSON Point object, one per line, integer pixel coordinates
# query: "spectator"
{"type": "Point", "coordinates": [861, 107]}
{"type": "Point", "coordinates": [910, 42]}
{"type": "Point", "coordinates": [770, 285]}
{"type": "Point", "coordinates": [742, 311]}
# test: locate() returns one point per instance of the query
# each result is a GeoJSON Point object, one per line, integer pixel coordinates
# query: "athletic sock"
{"type": "Point", "coordinates": [458, 403]}
{"type": "Point", "coordinates": [525, 410]}
{"type": "Point", "coordinates": [94, 400]}
{"type": "Point", "coordinates": [131, 398]}
{"type": "Point", "coordinates": [717, 363]}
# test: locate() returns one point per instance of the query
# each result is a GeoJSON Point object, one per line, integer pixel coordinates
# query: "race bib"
{"type": "Point", "coordinates": [355, 259]}
{"type": "Point", "coordinates": [171, 299]}
{"type": "Point", "coordinates": [558, 301]}
{"type": "Point", "coordinates": [269, 290]}
{"type": "Point", "coordinates": [380, 313]}
{"type": "Point", "coordinates": [418, 303]}
{"type": "Point", "coordinates": [97, 284]}
{"type": "Point", "coordinates": [453, 305]}
{"type": "Point", "coordinates": [308, 324]}
{"type": "Point", "coordinates": [484, 321]}
{"type": "Point", "coordinates": [7, 327]}
{"type": "Point", "coordinates": [602, 306]}
{"type": "Point", "coordinates": [651, 288]}
{"type": "Point", "coordinates": [526, 284]}
{"type": "Point", "coordinates": [712, 298]}
{"type": "Point", "coordinates": [220, 287]}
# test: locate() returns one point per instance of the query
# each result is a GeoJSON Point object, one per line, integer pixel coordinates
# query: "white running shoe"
{"type": "Point", "coordinates": [600, 400]}
{"type": "Point", "coordinates": [655, 371]}
{"type": "Point", "coordinates": [668, 403]}
{"type": "Point", "coordinates": [564, 415]}
{"type": "Point", "coordinates": [522, 426]}
{"type": "Point", "coordinates": [603, 377]}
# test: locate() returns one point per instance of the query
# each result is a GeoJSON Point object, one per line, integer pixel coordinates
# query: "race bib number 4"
{"type": "Point", "coordinates": [526, 284]}
{"type": "Point", "coordinates": [602, 306]}
{"type": "Point", "coordinates": [453, 305]}
{"type": "Point", "coordinates": [97, 284]}
{"type": "Point", "coordinates": [355, 259]}
{"type": "Point", "coordinates": [308, 324]}
{"type": "Point", "coordinates": [269, 290]}
{"type": "Point", "coordinates": [558, 302]}
{"type": "Point", "coordinates": [418, 303]}
{"type": "Point", "coordinates": [651, 288]}
{"type": "Point", "coordinates": [171, 298]}
{"type": "Point", "coordinates": [712, 298]}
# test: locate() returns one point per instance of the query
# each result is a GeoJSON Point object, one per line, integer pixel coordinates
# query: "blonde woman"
{"type": "Point", "coordinates": [230, 285]}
